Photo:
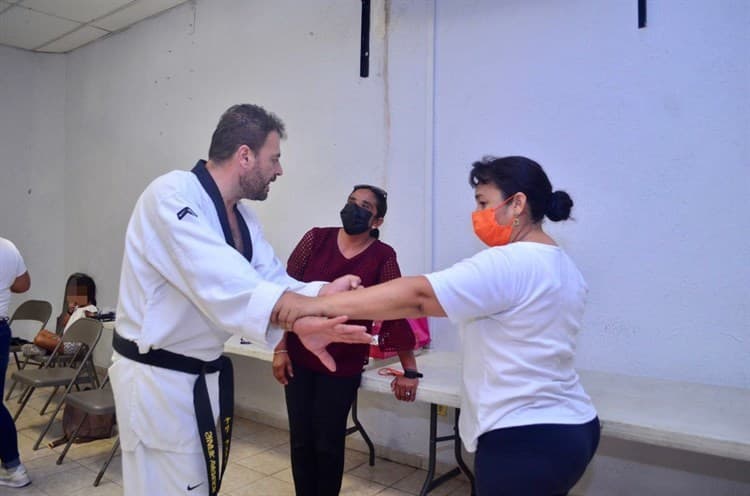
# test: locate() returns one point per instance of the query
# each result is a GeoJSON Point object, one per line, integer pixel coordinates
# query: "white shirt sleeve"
{"type": "Point", "coordinates": [475, 287]}
{"type": "Point", "coordinates": [188, 253]}
{"type": "Point", "coordinates": [12, 265]}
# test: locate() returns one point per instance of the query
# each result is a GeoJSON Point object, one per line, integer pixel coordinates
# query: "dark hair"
{"type": "Point", "coordinates": [243, 124]}
{"type": "Point", "coordinates": [77, 279]}
{"type": "Point", "coordinates": [382, 203]}
{"type": "Point", "coordinates": [522, 175]}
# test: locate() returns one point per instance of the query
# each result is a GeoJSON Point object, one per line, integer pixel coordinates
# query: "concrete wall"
{"type": "Point", "coordinates": [32, 140]}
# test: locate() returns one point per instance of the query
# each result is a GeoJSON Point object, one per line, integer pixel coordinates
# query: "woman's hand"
{"type": "Point", "coordinates": [316, 333]}
{"type": "Point", "coordinates": [282, 367]}
{"type": "Point", "coordinates": [291, 306]}
{"type": "Point", "coordinates": [404, 389]}
{"type": "Point", "coordinates": [343, 283]}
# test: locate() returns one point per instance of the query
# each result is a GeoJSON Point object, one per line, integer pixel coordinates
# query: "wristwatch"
{"type": "Point", "coordinates": [412, 374]}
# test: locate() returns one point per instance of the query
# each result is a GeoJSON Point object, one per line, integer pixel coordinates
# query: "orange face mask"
{"type": "Point", "coordinates": [487, 229]}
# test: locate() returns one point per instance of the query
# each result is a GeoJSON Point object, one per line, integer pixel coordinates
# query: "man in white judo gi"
{"type": "Point", "coordinates": [196, 269]}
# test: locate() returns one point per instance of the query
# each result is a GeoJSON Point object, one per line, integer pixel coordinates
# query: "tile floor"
{"type": "Point", "coordinates": [259, 464]}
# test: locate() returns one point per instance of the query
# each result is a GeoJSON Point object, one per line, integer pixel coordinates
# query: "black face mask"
{"type": "Point", "coordinates": [355, 219]}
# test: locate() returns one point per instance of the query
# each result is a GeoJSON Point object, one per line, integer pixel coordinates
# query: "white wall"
{"type": "Point", "coordinates": [146, 101]}
{"type": "Point", "coordinates": [647, 129]}
{"type": "Point", "coordinates": [32, 140]}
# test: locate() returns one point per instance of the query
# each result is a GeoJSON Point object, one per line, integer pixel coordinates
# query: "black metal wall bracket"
{"type": "Point", "coordinates": [364, 46]}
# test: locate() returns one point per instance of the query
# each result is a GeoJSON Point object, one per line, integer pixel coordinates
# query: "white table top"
{"type": "Point", "coordinates": [259, 351]}
{"type": "Point", "coordinates": [440, 383]}
{"type": "Point", "coordinates": [253, 350]}
{"type": "Point", "coordinates": [695, 417]}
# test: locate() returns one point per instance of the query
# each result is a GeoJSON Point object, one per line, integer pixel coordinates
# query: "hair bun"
{"type": "Point", "coordinates": [559, 206]}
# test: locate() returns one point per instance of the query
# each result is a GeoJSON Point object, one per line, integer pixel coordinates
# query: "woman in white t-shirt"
{"type": "Point", "coordinates": [519, 306]}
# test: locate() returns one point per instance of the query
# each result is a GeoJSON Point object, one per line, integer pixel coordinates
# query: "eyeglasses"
{"type": "Point", "coordinates": [374, 189]}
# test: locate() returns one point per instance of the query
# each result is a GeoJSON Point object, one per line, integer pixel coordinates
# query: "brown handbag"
{"type": "Point", "coordinates": [47, 340]}
{"type": "Point", "coordinates": [94, 427]}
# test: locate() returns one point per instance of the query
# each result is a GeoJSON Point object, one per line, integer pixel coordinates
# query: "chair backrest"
{"type": "Point", "coordinates": [85, 330]}
{"type": "Point", "coordinates": [38, 310]}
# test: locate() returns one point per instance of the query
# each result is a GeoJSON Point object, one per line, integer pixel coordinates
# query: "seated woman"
{"type": "Point", "coordinates": [79, 300]}
{"type": "Point", "coordinates": [519, 307]}
{"type": "Point", "coordinates": [318, 400]}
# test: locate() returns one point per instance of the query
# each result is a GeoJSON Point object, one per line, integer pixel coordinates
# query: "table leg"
{"type": "Point", "coordinates": [430, 483]}
{"type": "Point", "coordinates": [359, 428]}
{"type": "Point", "coordinates": [459, 455]}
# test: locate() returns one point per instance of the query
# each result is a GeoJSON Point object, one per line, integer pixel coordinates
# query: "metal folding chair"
{"type": "Point", "coordinates": [79, 369]}
{"type": "Point", "coordinates": [92, 402]}
{"type": "Point", "coordinates": [34, 310]}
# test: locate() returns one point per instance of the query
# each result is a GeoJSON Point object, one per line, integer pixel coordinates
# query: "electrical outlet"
{"type": "Point", "coordinates": [442, 410]}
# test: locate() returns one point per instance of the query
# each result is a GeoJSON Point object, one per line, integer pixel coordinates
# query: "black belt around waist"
{"type": "Point", "coordinates": [201, 401]}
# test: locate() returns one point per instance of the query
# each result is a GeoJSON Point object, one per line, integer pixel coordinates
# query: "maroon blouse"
{"type": "Point", "coordinates": [317, 258]}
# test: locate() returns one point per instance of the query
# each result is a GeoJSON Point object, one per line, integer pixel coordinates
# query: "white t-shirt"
{"type": "Point", "coordinates": [519, 308]}
{"type": "Point", "coordinates": [11, 267]}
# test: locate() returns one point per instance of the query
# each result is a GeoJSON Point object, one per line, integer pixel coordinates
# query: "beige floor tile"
{"type": "Point", "coordinates": [354, 458]}
{"type": "Point", "coordinates": [242, 427]}
{"type": "Point", "coordinates": [393, 492]}
{"type": "Point", "coordinates": [238, 476]}
{"type": "Point", "coordinates": [269, 486]}
{"type": "Point", "coordinates": [355, 486]}
{"type": "Point", "coordinates": [43, 466]}
{"type": "Point", "coordinates": [265, 437]}
{"type": "Point", "coordinates": [242, 448]}
{"type": "Point", "coordinates": [383, 472]}
{"type": "Point", "coordinates": [267, 462]}
{"type": "Point", "coordinates": [95, 462]}
{"type": "Point", "coordinates": [67, 482]}
{"type": "Point", "coordinates": [31, 490]}
{"type": "Point", "coordinates": [26, 442]}
{"type": "Point", "coordinates": [285, 475]}
{"type": "Point", "coordinates": [105, 488]}
{"type": "Point", "coordinates": [29, 420]}
{"type": "Point", "coordinates": [412, 484]}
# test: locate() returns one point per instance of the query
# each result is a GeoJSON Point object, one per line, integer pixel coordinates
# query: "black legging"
{"type": "Point", "coordinates": [318, 407]}
{"type": "Point", "coordinates": [8, 435]}
{"type": "Point", "coordinates": [534, 460]}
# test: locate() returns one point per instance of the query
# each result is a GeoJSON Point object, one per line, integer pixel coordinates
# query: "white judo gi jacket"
{"type": "Point", "coordinates": [183, 288]}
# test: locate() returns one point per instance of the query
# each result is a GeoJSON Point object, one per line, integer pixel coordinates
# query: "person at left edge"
{"type": "Point", "coordinates": [196, 269]}
{"type": "Point", "coordinates": [14, 278]}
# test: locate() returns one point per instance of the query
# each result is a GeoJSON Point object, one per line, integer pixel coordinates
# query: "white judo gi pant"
{"type": "Point", "coordinates": [151, 471]}
{"type": "Point", "coordinates": [161, 450]}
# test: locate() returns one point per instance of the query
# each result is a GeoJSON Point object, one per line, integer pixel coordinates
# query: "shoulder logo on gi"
{"type": "Point", "coordinates": [187, 210]}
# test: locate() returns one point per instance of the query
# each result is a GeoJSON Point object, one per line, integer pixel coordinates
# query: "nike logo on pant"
{"type": "Point", "coordinates": [190, 488]}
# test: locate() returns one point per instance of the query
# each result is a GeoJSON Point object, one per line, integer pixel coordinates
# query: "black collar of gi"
{"type": "Point", "coordinates": [204, 177]}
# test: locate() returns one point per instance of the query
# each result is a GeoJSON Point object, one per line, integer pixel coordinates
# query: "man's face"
{"type": "Point", "coordinates": [255, 182]}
